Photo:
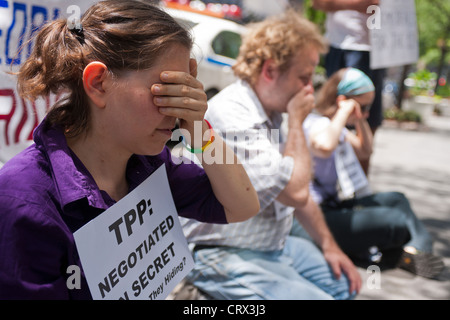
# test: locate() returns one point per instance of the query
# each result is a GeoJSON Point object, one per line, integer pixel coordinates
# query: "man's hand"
{"type": "Point", "coordinates": [336, 5]}
{"type": "Point", "coordinates": [339, 262]}
{"type": "Point", "coordinates": [301, 105]}
{"type": "Point", "coordinates": [311, 218]}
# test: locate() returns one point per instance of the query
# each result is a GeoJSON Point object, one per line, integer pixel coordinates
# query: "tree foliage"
{"type": "Point", "coordinates": [433, 19]}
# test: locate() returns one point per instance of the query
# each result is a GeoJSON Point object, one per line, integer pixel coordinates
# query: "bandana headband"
{"type": "Point", "coordinates": [355, 82]}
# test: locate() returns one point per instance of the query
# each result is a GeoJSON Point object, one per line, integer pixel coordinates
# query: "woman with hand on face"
{"type": "Point", "coordinates": [359, 219]}
{"type": "Point", "coordinates": [126, 75]}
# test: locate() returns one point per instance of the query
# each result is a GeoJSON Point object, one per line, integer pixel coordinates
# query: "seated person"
{"type": "Point", "coordinates": [257, 259]}
{"type": "Point", "coordinates": [123, 70]}
{"type": "Point", "coordinates": [359, 219]}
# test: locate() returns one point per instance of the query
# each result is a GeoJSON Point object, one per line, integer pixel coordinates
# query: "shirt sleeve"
{"type": "Point", "coordinates": [260, 153]}
{"type": "Point", "coordinates": [314, 123]}
{"type": "Point", "coordinates": [239, 117]}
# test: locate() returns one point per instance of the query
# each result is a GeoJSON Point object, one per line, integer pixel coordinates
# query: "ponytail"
{"type": "Point", "coordinates": [55, 66]}
{"type": "Point", "coordinates": [55, 62]}
{"type": "Point", "coordinates": [124, 35]}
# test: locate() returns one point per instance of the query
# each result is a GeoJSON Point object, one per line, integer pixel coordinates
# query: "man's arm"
{"type": "Point", "coordinates": [296, 192]}
{"type": "Point", "coordinates": [336, 5]}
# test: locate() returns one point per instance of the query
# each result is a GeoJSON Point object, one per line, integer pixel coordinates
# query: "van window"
{"type": "Point", "coordinates": [227, 43]}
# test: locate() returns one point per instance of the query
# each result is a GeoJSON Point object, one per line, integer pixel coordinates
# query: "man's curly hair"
{"type": "Point", "coordinates": [278, 38]}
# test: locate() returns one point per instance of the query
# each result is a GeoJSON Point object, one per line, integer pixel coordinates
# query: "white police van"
{"type": "Point", "coordinates": [217, 45]}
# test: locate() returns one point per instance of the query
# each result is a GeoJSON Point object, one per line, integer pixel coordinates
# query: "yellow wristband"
{"type": "Point", "coordinates": [210, 141]}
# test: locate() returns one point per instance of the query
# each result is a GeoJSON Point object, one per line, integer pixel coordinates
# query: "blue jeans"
{"type": "Point", "coordinates": [298, 272]}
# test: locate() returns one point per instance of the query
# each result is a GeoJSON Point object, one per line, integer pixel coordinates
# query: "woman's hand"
{"type": "Point", "coordinates": [182, 96]}
{"type": "Point", "coordinates": [351, 108]}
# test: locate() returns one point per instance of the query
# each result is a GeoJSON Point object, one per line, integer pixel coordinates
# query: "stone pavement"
{"type": "Point", "coordinates": [415, 161]}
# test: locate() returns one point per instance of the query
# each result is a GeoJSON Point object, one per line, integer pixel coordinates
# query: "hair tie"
{"type": "Point", "coordinates": [77, 30]}
{"type": "Point", "coordinates": [202, 149]}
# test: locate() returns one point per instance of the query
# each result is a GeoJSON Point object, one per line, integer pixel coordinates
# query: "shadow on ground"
{"type": "Point", "coordinates": [416, 164]}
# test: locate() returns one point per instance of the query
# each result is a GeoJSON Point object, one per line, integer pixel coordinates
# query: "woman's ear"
{"type": "Point", "coordinates": [94, 76]}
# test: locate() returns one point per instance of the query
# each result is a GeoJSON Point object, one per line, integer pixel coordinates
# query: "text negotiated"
{"type": "Point", "coordinates": [136, 249]}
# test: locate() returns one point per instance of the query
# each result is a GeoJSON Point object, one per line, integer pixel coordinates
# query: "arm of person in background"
{"type": "Point", "coordinates": [323, 141]}
{"type": "Point", "coordinates": [311, 218]}
{"type": "Point", "coordinates": [362, 142]}
{"type": "Point", "coordinates": [336, 5]}
{"type": "Point", "coordinates": [183, 97]}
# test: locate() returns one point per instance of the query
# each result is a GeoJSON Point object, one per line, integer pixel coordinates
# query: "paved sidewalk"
{"type": "Point", "coordinates": [417, 163]}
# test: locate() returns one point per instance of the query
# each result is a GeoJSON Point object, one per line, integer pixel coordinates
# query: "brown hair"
{"type": "Point", "coordinates": [124, 35]}
{"type": "Point", "coordinates": [326, 97]}
{"type": "Point", "coordinates": [278, 38]}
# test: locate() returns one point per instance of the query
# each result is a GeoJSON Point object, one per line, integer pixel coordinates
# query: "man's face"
{"type": "Point", "coordinates": [296, 78]}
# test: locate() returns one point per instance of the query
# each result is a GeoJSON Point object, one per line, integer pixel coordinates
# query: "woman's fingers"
{"type": "Point", "coordinates": [193, 67]}
{"type": "Point", "coordinates": [180, 95]}
{"type": "Point", "coordinates": [177, 90]}
{"type": "Point", "coordinates": [189, 115]}
{"type": "Point", "coordinates": [177, 77]}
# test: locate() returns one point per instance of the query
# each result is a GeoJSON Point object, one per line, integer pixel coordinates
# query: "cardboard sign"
{"type": "Point", "coordinates": [136, 249]}
{"type": "Point", "coordinates": [393, 34]}
{"type": "Point", "coordinates": [351, 176]}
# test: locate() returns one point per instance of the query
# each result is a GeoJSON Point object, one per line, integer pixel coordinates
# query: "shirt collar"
{"type": "Point", "coordinates": [260, 115]}
{"type": "Point", "coordinates": [72, 179]}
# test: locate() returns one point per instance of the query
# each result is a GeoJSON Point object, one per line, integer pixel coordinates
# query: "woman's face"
{"type": "Point", "coordinates": [365, 100]}
{"type": "Point", "coordinates": [132, 120]}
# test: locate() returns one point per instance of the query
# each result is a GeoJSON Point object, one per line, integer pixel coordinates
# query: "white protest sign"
{"type": "Point", "coordinates": [351, 176]}
{"type": "Point", "coordinates": [393, 34]}
{"type": "Point", "coordinates": [136, 249]}
{"type": "Point", "coordinates": [19, 22]}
